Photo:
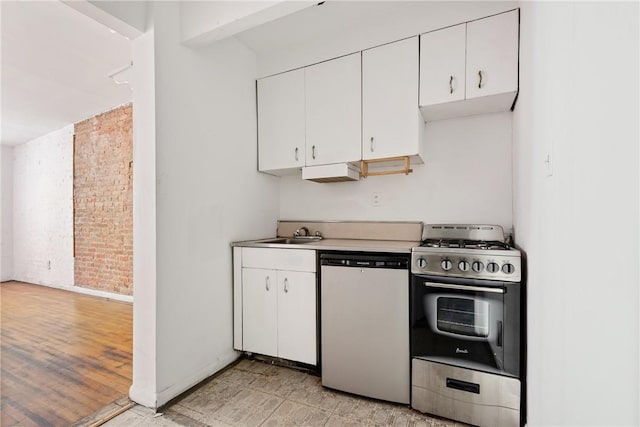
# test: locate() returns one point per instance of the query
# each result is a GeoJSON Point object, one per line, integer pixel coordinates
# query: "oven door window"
{"type": "Point", "coordinates": [463, 316]}
{"type": "Point", "coordinates": [474, 316]}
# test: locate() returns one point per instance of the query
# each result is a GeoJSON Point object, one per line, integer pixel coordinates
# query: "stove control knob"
{"type": "Point", "coordinates": [477, 266]}
{"type": "Point", "coordinates": [463, 266]}
{"type": "Point", "coordinates": [492, 267]}
{"type": "Point", "coordinates": [421, 262]}
{"type": "Point", "coordinates": [446, 265]}
{"type": "Point", "coordinates": [508, 268]}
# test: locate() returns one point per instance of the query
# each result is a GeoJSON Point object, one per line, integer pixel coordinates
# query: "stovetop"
{"type": "Point", "coordinates": [466, 244]}
{"type": "Point", "coordinates": [467, 251]}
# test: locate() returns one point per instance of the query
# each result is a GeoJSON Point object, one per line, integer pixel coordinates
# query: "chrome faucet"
{"type": "Point", "coordinates": [305, 229]}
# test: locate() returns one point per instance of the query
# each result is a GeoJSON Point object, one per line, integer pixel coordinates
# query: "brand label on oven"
{"type": "Point", "coordinates": [461, 350]}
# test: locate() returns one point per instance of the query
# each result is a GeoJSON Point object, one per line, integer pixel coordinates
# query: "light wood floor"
{"type": "Point", "coordinates": [63, 355]}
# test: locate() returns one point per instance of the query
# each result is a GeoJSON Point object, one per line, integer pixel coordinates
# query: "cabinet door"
{"type": "Point", "coordinates": [390, 115]}
{"type": "Point", "coordinates": [259, 311]}
{"type": "Point", "coordinates": [442, 65]}
{"type": "Point", "coordinates": [297, 316]}
{"type": "Point", "coordinates": [281, 128]}
{"type": "Point", "coordinates": [492, 55]}
{"type": "Point", "coordinates": [333, 111]}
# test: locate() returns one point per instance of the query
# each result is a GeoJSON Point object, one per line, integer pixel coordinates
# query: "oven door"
{"type": "Point", "coordinates": [458, 322]}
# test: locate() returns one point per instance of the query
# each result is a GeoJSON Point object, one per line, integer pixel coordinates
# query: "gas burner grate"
{"type": "Point", "coordinates": [466, 244]}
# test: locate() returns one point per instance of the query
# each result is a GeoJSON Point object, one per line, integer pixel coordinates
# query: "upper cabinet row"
{"type": "Point", "coordinates": [367, 105]}
{"type": "Point", "coordinates": [359, 106]}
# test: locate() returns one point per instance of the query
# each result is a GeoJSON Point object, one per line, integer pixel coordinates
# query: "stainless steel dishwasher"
{"type": "Point", "coordinates": [365, 324]}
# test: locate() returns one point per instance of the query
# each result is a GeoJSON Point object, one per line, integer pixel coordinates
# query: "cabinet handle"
{"type": "Point", "coordinates": [286, 284]}
{"type": "Point", "coordinates": [480, 79]}
{"type": "Point", "coordinates": [372, 147]}
{"type": "Point", "coordinates": [267, 283]}
{"type": "Point", "coordinates": [296, 154]}
{"type": "Point", "coordinates": [450, 84]}
{"type": "Point", "coordinates": [313, 152]}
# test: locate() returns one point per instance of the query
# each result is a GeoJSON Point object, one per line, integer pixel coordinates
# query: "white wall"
{"type": "Point", "coordinates": [579, 227]}
{"type": "Point", "coordinates": [466, 178]}
{"type": "Point", "coordinates": [43, 209]}
{"type": "Point", "coordinates": [6, 242]}
{"type": "Point", "coordinates": [207, 194]}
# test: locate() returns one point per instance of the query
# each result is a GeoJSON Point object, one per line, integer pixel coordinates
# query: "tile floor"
{"type": "Point", "coordinates": [254, 393]}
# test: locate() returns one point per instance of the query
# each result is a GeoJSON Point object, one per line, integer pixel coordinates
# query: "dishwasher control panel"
{"type": "Point", "coordinates": [374, 260]}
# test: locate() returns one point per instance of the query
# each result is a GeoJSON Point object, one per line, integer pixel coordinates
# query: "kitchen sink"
{"type": "Point", "coordinates": [292, 240]}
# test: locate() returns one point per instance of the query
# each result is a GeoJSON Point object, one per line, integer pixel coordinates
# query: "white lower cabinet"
{"type": "Point", "coordinates": [278, 305]}
{"type": "Point", "coordinates": [259, 308]}
{"type": "Point", "coordinates": [297, 316]}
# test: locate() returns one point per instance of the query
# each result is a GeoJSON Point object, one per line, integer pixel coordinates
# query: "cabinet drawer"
{"type": "Point", "coordinates": [425, 400]}
{"type": "Point", "coordinates": [279, 259]}
{"type": "Point", "coordinates": [490, 389]}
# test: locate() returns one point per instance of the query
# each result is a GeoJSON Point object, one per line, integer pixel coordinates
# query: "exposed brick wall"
{"type": "Point", "coordinates": [103, 201]}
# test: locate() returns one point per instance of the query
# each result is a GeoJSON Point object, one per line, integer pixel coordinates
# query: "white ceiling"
{"type": "Point", "coordinates": [55, 67]}
{"type": "Point", "coordinates": [333, 16]}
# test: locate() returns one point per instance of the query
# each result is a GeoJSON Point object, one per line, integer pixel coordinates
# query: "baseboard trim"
{"type": "Point", "coordinates": [87, 291]}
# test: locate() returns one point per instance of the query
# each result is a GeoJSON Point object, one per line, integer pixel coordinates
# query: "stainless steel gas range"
{"type": "Point", "coordinates": [466, 325]}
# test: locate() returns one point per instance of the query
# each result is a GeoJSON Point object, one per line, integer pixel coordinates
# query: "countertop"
{"type": "Point", "coordinates": [363, 245]}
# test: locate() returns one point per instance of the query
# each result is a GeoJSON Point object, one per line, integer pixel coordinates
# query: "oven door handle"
{"type": "Point", "coordinates": [464, 287]}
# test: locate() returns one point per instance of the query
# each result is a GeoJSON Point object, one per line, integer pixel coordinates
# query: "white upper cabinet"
{"type": "Point", "coordinates": [442, 66]}
{"type": "Point", "coordinates": [391, 120]}
{"type": "Point", "coordinates": [333, 111]}
{"type": "Point", "coordinates": [470, 68]}
{"type": "Point", "coordinates": [281, 122]}
{"type": "Point", "coordinates": [492, 55]}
